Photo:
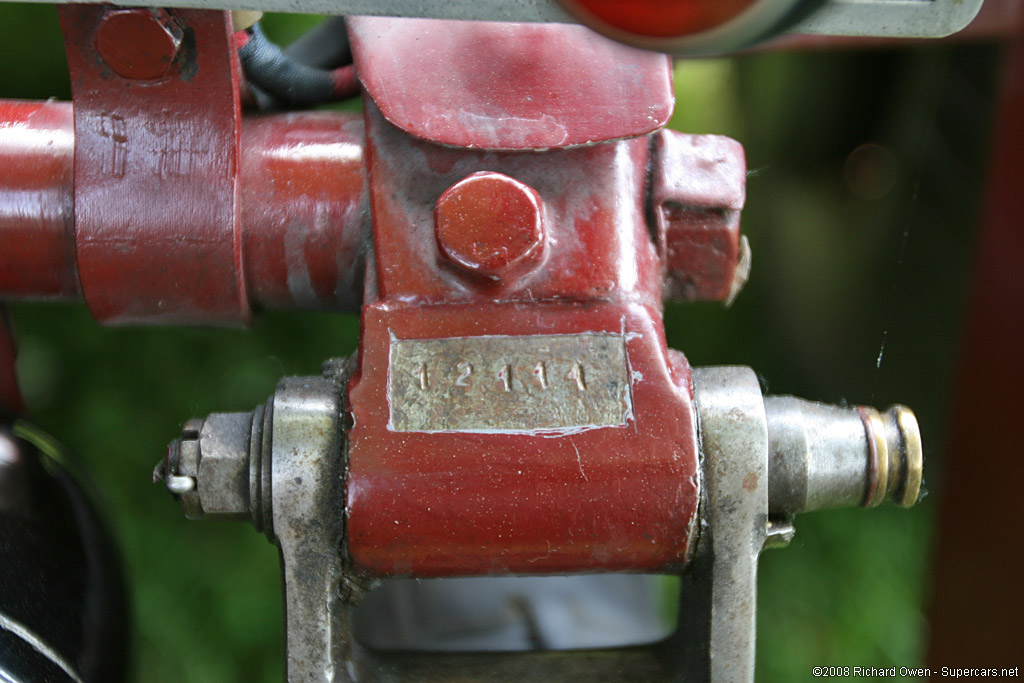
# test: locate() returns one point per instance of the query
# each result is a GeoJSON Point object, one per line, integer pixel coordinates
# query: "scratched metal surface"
{"type": "Point", "coordinates": [156, 172]}
{"type": "Point", "coordinates": [491, 85]}
{"type": "Point", "coordinates": [528, 383]}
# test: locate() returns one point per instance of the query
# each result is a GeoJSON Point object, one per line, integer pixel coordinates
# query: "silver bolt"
{"type": "Point", "coordinates": [208, 467]}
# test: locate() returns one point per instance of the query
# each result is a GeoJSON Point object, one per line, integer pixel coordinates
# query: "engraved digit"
{"type": "Point", "coordinates": [113, 128]}
{"type": "Point", "coordinates": [423, 377]}
{"type": "Point", "coordinates": [466, 369]}
{"type": "Point", "coordinates": [577, 374]}
{"type": "Point", "coordinates": [541, 373]}
{"type": "Point", "coordinates": [505, 375]}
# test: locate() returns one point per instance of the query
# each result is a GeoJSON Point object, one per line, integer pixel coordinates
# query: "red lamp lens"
{"type": "Point", "coordinates": [663, 18]}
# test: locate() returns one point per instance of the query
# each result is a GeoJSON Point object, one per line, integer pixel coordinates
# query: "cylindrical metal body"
{"type": "Point", "coordinates": [823, 456]}
{"type": "Point", "coordinates": [63, 610]}
{"type": "Point", "coordinates": [818, 455]}
{"type": "Point", "coordinates": [536, 424]}
{"type": "Point", "coordinates": [37, 222]}
{"type": "Point", "coordinates": [302, 202]}
{"type": "Point", "coordinates": [305, 224]}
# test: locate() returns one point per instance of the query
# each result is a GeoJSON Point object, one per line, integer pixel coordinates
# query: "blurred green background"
{"type": "Point", "coordinates": [865, 174]}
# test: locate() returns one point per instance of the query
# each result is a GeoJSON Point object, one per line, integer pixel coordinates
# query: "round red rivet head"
{"type": "Point", "coordinates": [138, 43]}
{"type": "Point", "coordinates": [491, 225]}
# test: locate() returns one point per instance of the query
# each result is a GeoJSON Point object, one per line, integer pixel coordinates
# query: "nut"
{"type": "Point", "coordinates": [223, 477]}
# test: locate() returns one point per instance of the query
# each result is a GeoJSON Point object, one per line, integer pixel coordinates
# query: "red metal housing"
{"type": "Point", "coordinates": [156, 170]}
{"type": "Point", "coordinates": [512, 489]}
{"type": "Point", "coordinates": [539, 423]}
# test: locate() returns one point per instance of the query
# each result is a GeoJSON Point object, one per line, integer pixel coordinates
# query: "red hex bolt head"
{"type": "Point", "coordinates": [138, 43]}
{"type": "Point", "coordinates": [491, 225]}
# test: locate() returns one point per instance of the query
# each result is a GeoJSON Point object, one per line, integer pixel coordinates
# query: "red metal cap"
{"type": "Point", "coordinates": [662, 18]}
{"type": "Point", "coordinates": [490, 225]}
{"type": "Point", "coordinates": [492, 85]}
{"type": "Point", "coordinates": [688, 27]}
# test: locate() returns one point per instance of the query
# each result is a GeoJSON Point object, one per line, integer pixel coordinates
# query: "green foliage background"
{"type": "Point", "coordinates": [835, 277]}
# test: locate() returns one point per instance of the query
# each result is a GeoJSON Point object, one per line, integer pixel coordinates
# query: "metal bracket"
{"type": "Point", "coordinates": [308, 510]}
{"type": "Point", "coordinates": [718, 600]}
{"type": "Point", "coordinates": [894, 18]}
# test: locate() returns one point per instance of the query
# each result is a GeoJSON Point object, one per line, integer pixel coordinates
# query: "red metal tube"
{"type": "Point", "coordinates": [302, 201]}
{"type": "Point", "coordinates": [37, 228]}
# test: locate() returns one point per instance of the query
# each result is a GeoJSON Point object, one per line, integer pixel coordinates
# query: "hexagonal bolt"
{"type": "Point", "coordinates": [138, 43]}
{"type": "Point", "coordinates": [491, 226]}
{"type": "Point", "coordinates": [208, 467]}
{"type": "Point", "coordinates": [823, 456]}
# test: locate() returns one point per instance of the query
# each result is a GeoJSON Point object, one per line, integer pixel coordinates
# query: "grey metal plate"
{"type": "Point", "coordinates": [509, 383]}
{"type": "Point", "coordinates": [891, 18]}
{"type": "Point", "coordinates": [896, 18]}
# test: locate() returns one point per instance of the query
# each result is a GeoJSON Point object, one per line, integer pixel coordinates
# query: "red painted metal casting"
{"type": "Point", "coordinates": [437, 504]}
{"type": "Point", "coordinates": [514, 86]}
{"type": "Point", "coordinates": [302, 206]}
{"type": "Point", "coordinates": [519, 215]}
{"type": "Point", "coordinates": [490, 225]}
{"type": "Point", "coordinates": [37, 149]}
{"type": "Point", "coordinates": [614, 497]}
{"type": "Point", "coordinates": [156, 168]}
{"type": "Point", "coordinates": [698, 190]}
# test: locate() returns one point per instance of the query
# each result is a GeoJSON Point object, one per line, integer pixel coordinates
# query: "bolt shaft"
{"type": "Point", "coordinates": [823, 456]}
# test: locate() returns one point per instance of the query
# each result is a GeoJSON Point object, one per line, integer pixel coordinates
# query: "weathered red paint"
{"type": "Point", "coordinates": [138, 43]}
{"type": "Point", "coordinates": [698, 190]}
{"type": "Point", "coordinates": [448, 504]}
{"type": "Point", "coordinates": [156, 170]}
{"type": "Point", "coordinates": [187, 213]}
{"type": "Point", "coordinates": [302, 205]}
{"type": "Point", "coordinates": [614, 498]}
{"type": "Point", "coordinates": [37, 201]}
{"type": "Point", "coordinates": [490, 225]}
{"type": "Point", "coordinates": [304, 210]}
{"type": "Point", "coordinates": [658, 18]}
{"type": "Point", "coordinates": [409, 175]}
{"type": "Point", "coordinates": [513, 86]}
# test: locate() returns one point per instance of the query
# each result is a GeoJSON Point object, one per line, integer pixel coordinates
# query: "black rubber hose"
{"type": "Point", "coordinates": [325, 45]}
{"type": "Point", "coordinates": [288, 82]}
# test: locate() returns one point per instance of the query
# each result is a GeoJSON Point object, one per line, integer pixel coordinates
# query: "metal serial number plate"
{"type": "Point", "coordinates": [509, 384]}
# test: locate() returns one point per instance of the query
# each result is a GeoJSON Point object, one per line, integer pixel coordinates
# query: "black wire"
{"type": "Point", "coordinates": [324, 46]}
{"type": "Point", "coordinates": [287, 82]}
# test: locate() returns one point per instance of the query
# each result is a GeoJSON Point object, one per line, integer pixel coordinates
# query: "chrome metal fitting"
{"type": "Point", "coordinates": [897, 459]}
{"type": "Point", "coordinates": [210, 468]}
{"type": "Point", "coordinates": [823, 456]}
